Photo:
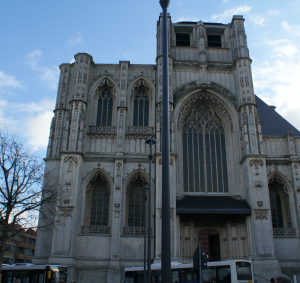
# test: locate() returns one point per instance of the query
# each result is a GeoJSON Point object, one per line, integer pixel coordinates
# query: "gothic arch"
{"type": "Point", "coordinates": [224, 108]}
{"type": "Point", "coordinates": [282, 179]}
{"type": "Point", "coordinates": [186, 88]}
{"type": "Point", "coordinates": [107, 87]}
{"type": "Point", "coordinates": [85, 190]}
{"type": "Point", "coordinates": [281, 201]}
{"type": "Point", "coordinates": [145, 90]}
{"type": "Point", "coordinates": [126, 184]}
{"type": "Point", "coordinates": [132, 175]}
{"type": "Point", "coordinates": [203, 95]}
{"type": "Point", "coordinates": [141, 80]}
{"type": "Point", "coordinates": [102, 80]}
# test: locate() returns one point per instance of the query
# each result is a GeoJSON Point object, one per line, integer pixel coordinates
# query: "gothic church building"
{"type": "Point", "coordinates": [234, 161]}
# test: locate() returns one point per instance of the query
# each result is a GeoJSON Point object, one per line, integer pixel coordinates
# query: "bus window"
{"type": "Point", "coordinates": [7, 277]}
{"type": "Point", "coordinates": [22, 275]}
{"type": "Point", "coordinates": [209, 275]}
{"type": "Point", "coordinates": [175, 276]}
{"type": "Point", "coordinates": [224, 274]}
{"type": "Point", "coordinates": [243, 270]}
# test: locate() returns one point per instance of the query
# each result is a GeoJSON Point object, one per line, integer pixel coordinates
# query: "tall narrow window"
{"type": "Point", "coordinates": [141, 109]}
{"type": "Point", "coordinates": [204, 151]}
{"type": "Point", "coordinates": [279, 203]}
{"type": "Point", "coordinates": [136, 202]}
{"type": "Point", "coordinates": [99, 202]}
{"type": "Point", "coordinates": [104, 109]}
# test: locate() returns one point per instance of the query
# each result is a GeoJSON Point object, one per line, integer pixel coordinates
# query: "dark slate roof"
{"type": "Point", "coordinates": [272, 123]}
{"type": "Point", "coordinates": [212, 205]}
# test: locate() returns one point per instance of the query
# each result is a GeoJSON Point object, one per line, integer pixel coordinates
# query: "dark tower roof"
{"type": "Point", "coordinates": [272, 123]}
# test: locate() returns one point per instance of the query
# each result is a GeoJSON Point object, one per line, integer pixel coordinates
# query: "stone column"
{"type": "Point", "coordinates": [261, 223]}
{"type": "Point", "coordinates": [65, 227]}
{"type": "Point", "coordinates": [114, 272]}
{"type": "Point", "coordinates": [78, 100]}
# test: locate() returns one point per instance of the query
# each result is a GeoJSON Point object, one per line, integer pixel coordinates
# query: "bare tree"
{"type": "Point", "coordinates": [22, 194]}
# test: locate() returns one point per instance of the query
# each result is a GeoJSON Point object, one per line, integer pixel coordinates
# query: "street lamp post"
{"type": "Point", "coordinates": [151, 142]}
{"type": "Point", "coordinates": [166, 231]}
{"type": "Point", "coordinates": [145, 229]}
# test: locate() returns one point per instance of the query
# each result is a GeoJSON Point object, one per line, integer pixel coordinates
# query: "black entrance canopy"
{"type": "Point", "coordinates": [212, 205]}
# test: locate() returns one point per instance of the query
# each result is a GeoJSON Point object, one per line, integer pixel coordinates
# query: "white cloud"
{"type": "Point", "coordinates": [257, 20]}
{"type": "Point", "coordinates": [224, 1]}
{"type": "Point", "coordinates": [48, 75]}
{"type": "Point", "coordinates": [9, 81]}
{"type": "Point", "coordinates": [76, 39]}
{"type": "Point", "coordinates": [188, 19]}
{"type": "Point", "coordinates": [33, 57]}
{"type": "Point", "coordinates": [292, 29]}
{"type": "Point", "coordinates": [30, 120]}
{"type": "Point", "coordinates": [276, 80]}
{"type": "Point", "coordinates": [273, 13]}
{"type": "Point", "coordinates": [227, 15]}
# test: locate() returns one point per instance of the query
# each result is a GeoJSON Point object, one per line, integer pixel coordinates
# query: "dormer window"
{"type": "Point", "coordinates": [182, 39]}
{"type": "Point", "coordinates": [214, 40]}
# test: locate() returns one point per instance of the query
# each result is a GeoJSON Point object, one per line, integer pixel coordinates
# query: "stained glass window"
{"type": "Point", "coordinates": [104, 109]}
{"type": "Point", "coordinates": [204, 151]}
{"type": "Point", "coordinates": [136, 202]}
{"type": "Point", "coordinates": [141, 109]}
{"type": "Point", "coordinates": [99, 202]}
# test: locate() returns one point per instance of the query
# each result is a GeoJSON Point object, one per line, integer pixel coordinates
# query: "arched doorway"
{"type": "Point", "coordinates": [210, 241]}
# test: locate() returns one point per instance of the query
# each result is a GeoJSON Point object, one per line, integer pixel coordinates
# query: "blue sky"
{"type": "Point", "coordinates": [38, 36]}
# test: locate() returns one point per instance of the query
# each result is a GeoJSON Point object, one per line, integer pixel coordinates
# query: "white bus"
{"type": "Point", "coordinates": [229, 271]}
{"type": "Point", "coordinates": [30, 273]}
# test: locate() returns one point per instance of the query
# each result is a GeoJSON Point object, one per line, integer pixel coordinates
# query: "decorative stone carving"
{"type": "Point", "coordinates": [103, 130]}
{"type": "Point", "coordinates": [199, 98]}
{"type": "Point", "coordinates": [257, 184]}
{"type": "Point", "coordinates": [283, 232]}
{"type": "Point", "coordinates": [140, 130]}
{"type": "Point", "coordinates": [119, 176]}
{"type": "Point", "coordinates": [98, 230]}
{"type": "Point", "coordinates": [256, 162]}
{"type": "Point", "coordinates": [261, 214]}
{"type": "Point", "coordinates": [135, 231]}
{"type": "Point", "coordinates": [69, 157]}
{"type": "Point", "coordinates": [66, 211]}
{"type": "Point", "coordinates": [259, 203]}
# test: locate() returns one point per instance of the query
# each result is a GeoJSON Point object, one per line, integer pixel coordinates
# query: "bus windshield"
{"type": "Point", "coordinates": [243, 271]}
{"type": "Point", "coordinates": [59, 274]}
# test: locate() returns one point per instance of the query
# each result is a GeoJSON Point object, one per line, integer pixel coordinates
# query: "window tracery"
{"type": "Point", "coordinates": [204, 151]}
{"type": "Point", "coordinates": [104, 107]}
{"type": "Point", "coordinates": [136, 202]}
{"type": "Point", "coordinates": [98, 199]}
{"type": "Point", "coordinates": [141, 108]}
{"type": "Point", "coordinates": [279, 203]}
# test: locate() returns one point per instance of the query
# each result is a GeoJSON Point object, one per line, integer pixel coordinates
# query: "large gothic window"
{"type": "Point", "coordinates": [204, 151]}
{"type": "Point", "coordinates": [98, 202]}
{"type": "Point", "coordinates": [279, 202]}
{"type": "Point", "coordinates": [136, 202]}
{"type": "Point", "coordinates": [104, 109]}
{"type": "Point", "coordinates": [141, 108]}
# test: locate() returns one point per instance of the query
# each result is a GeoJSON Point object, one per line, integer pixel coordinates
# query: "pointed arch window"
{"type": "Point", "coordinates": [98, 199]}
{"type": "Point", "coordinates": [204, 151]}
{"type": "Point", "coordinates": [135, 202]}
{"type": "Point", "coordinates": [279, 203]}
{"type": "Point", "coordinates": [104, 108]}
{"type": "Point", "coordinates": [141, 108]}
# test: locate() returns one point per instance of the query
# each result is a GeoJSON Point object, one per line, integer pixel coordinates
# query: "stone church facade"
{"type": "Point", "coordinates": [234, 162]}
